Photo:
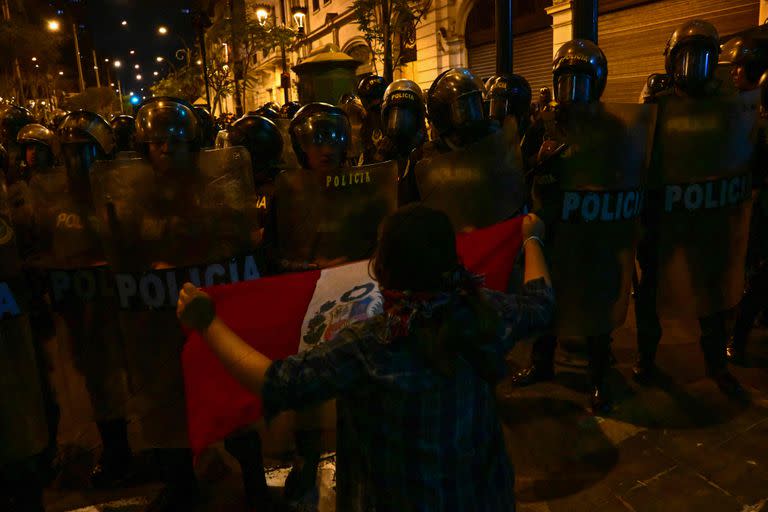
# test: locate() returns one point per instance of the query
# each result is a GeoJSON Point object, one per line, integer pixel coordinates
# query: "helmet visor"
{"type": "Point", "coordinates": [467, 109]}
{"type": "Point", "coordinates": [499, 107]}
{"type": "Point", "coordinates": [574, 88]}
{"type": "Point", "coordinates": [693, 67]}
{"type": "Point", "coordinates": [402, 123]}
{"type": "Point", "coordinates": [323, 130]}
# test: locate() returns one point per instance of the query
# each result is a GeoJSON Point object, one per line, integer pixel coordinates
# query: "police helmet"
{"type": "Point", "coordinates": [12, 119]}
{"type": "Point", "coordinates": [403, 110]}
{"type": "Point", "coordinates": [289, 110]}
{"type": "Point", "coordinates": [579, 72]}
{"type": "Point", "coordinates": [36, 134]}
{"type": "Point", "coordinates": [509, 95]}
{"type": "Point", "coordinates": [319, 124]}
{"type": "Point", "coordinates": [260, 136]}
{"type": "Point", "coordinates": [267, 111]}
{"type": "Point", "coordinates": [749, 53]}
{"type": "Point", "coordinates": [82, 127]}
{"type": "Point", "coordinates": [124, 130]}
{"type": "Point", "coordinates": [454, 99]}
{"type": "Point", "coordinates": [161, 118]}
{"type": "Point", "coordinates": [691, 55]}
{"type": "Point", "coordinates": [371, 90]}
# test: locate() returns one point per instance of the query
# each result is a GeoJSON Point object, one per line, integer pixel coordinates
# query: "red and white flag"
{"type": "Point", "coordinates": [284, 314]}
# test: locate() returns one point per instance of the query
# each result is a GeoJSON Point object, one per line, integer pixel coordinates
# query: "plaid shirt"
{"type": "Point", "coordinates": [410, 439]}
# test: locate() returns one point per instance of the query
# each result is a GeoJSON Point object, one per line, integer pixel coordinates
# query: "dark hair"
{"type": "Point", "coordinates": [417, 253]}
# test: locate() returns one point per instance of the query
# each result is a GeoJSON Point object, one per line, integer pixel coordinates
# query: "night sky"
{"type": "Point", "coordinates": [114, 41]}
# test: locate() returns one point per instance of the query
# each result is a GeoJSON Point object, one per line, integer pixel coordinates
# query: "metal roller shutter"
{"type": "Point", "coordinates": [482, 59]}
{"type": "Point", "coordinates": [532, 58]}
{"type": "Point", "coordinates": [633, 39]}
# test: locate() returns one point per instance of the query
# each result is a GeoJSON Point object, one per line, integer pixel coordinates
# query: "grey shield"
{"type": "Point", "coordinates": [592, 244]}
{"type": "Point", "coordinates": [702, 159]}
{"type": "Point", "coordinates": [23, 427]}
{"type": "Point", "coordinates": [336, 215]}
{"type": "Point", "coordinates": [478, 185]}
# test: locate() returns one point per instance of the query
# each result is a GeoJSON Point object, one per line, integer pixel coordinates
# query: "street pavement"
{"type": "Point", "coordinates": [679, 445]}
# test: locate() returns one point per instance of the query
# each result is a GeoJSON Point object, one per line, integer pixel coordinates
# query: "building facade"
{"type": "Point", "coordinates": [632, 33]}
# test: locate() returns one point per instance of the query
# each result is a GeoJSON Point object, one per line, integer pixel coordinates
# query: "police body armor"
{"type": "Point", "coordinates": [326, 217]}
{"type": "Point", "coordinates": [23, 426]}
{"type": "Point", "coordinates": [288, 160]}
{"type": "Point", "coordinates": [80, 288]}
{"type": "Point", "coordinates": [700, 177]}
{"type": "Point", "coordinates": [478, 185]}
{"type": "Point", "coordinates": [595, 224]}
{"type": "Point", "coordinates": [160, 233]}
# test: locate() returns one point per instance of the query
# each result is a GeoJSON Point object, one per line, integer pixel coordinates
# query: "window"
{"type": "Point", "coordinates": [326, 2]}
{"type": "Point", "coordinates": [315, 5]}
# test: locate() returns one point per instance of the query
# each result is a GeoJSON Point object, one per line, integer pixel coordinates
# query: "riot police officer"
{"type": "Point", "coordinates": [691, 56]}
{"type": "Point", "coordinates": [403, 115]}
{"type": "Point", "coordinates": [510, 95]}
{"type": "Point", "coordinates": [455, 106]}
{"type": "Point", "coordinates": [579, 71]}
{"type": "Point", "coordinates": [371, 90]}
{"type": "Point", "coordinates": [320, 136]}
{"type": "Point", "coordinates": [39, 146]}
{"type": "Point", "coordinates": [13, 119]}
{"type": "Point", "coordinates": [748, 58]}
{"type": "Point", "coordinates": [124, 128]}
{"type": "Point", "coordinates": [90, 326]}
{"type": "Point", "coordinates": [185, 209]}
{"type": "Point", "coordinates": [288, 110]}
{"type": "Point", "coordinates": [207, 126]}
{"type": "Point", "coordinates": [269, 110]}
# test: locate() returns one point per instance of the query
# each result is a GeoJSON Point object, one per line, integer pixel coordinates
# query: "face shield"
{"type": "Point", "coordinates": [574, 87]}
{"type": "Point", "coordinates": [323, 130]}
{"type": "Point", "coordinates": [467, 109]}
{"type": "Point", "coordinates": [694, 66]}
{"type": "Point", "coordinates": [498, 108]}
{"type": "Point", "coordinates": [78, 159]}
{"type": "Point", "coordinates": [402, 126]}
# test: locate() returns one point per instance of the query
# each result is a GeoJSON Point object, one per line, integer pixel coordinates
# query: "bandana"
{"type": "Point", "coordinates": [401, 308]}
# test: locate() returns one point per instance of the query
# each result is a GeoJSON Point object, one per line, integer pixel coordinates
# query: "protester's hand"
{"type": "Point", "coordinates": [195, 308]}
{"type": "Point", "coordinates": [533, 226]}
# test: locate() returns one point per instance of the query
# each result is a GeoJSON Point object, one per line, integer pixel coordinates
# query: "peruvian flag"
{"type": "Point", "coordinates": [284, 314]}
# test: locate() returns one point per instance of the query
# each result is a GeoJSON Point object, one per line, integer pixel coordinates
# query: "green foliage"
{"type": "Point", "coordinates": [404, 16]}
{"type": "Point", "coordinates": [185, 83]}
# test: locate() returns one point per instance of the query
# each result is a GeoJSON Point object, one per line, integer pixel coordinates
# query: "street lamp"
{"type": "Point", "coordinates": [124, 23]}
{"type": "Point", "coordinates": [262, 14]}
{"type": "Point", "coordinates": [136, 66]}
{"type": "Point", "coordinates": [155, 73]}
{"type": "Point", "coordinates": [159, 59]}
{"type": "Point", "coordinates": [162, 30]}
{"type": "Point", "coordinates": [34, 59]}
{"type": "Point", "coordinates": [53, 25]}
{"type": "Point", "coordinates": [117, 64]}
{"type": "Point", "coordinates": [138, 77]}
{"type": "Point", "coordinates": [132, 52]}
{"type": "Point", "coordinates": [61, 73]}
{"type": "Point", "coordinates": [299, 13]}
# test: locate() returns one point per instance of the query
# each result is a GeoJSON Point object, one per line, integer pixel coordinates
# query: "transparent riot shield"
{"type": "Point", "coordinates": [701, 175]}
{"type": "Point", "coordinates": [325, 218]}
{"type": "Point", "coordinates": [592, 243]}
{"type": "Point", "coordinates": [478, 185]}
{"type": "Point", "coordinates": [23, 426]}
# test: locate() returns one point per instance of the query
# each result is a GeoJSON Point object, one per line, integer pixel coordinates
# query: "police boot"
{"type": "Point", "coordinates": [115, 466]}
{"type": "Point", "coordinates": [599, 364]}
{"type": "Point", "coordinates": [181, 492]}
{"type": "Point", "coordinates": [648, 337]}
{"type": "Point", "coordinates": [246, 449]}
{"type": "Point", "coordinates": [713, 345]}
{"type": "Point", "coordinates": [542, 366]}
{"type": "Point", "coordinates": [301, 485]}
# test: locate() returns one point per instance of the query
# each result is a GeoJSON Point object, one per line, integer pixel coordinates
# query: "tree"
{"type": "Point", "coordinates": [221, 81]}
{"type": "Point", "coordinates": [253, 38]}
{"type": "Point", "coordinates": [101, 100]}
{"type": "Point", "coordinates": [381, 20]}
{"type": "Point", "coordinates": [185, 83]}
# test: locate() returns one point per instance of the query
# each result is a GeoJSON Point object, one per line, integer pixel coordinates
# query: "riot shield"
{"type": "Point", "coordinates": [478, 185]}
{"type": "Point", "coordinates": [158, 236]}
{"type": "Point", "coordinates": [23, 426]}
{"type": "Point", "coordinates": [322, 218]}
{"type": "Point", "coordinates": [288, 159]}
{"type": "Point", "coordinates": [592, 243]}
{"type": "Point", "coordinates": [701, 176]}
